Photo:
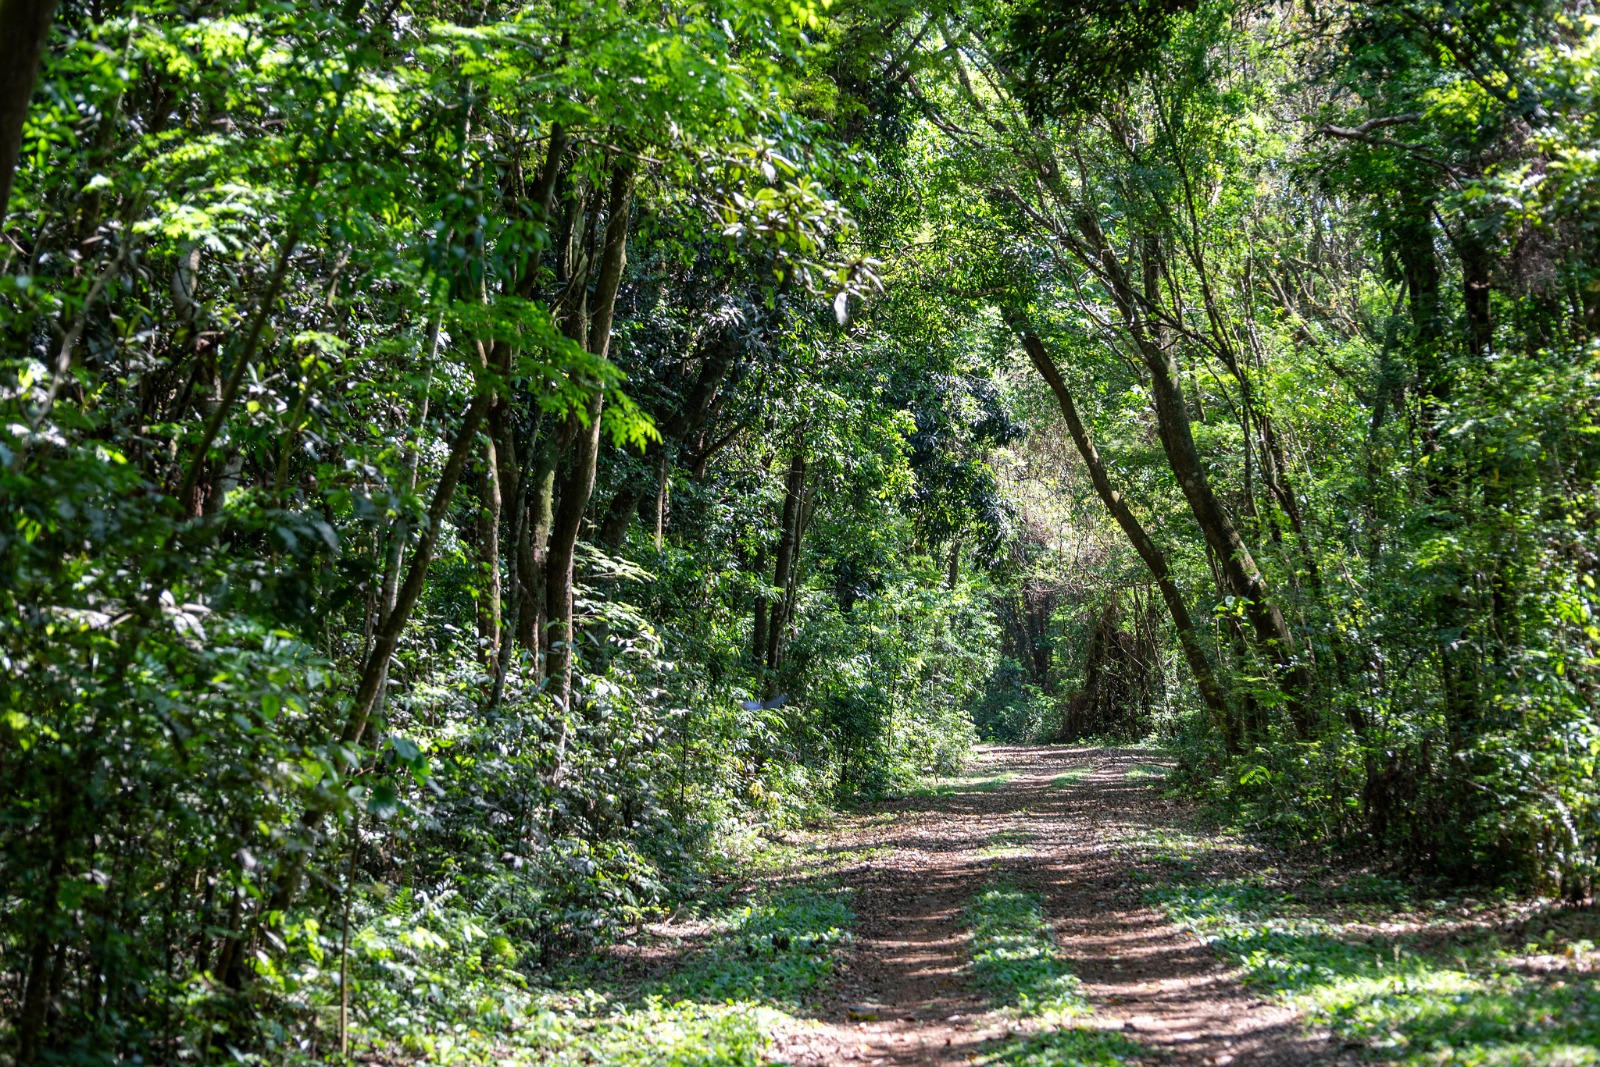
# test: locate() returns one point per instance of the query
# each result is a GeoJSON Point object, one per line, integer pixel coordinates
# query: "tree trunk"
{"type": "Point", "coordinates": [533, 548]}
{"type": "Point", "coordinates": [375, 671]}
{"type": "Point", "coordinates": [525, 476]}
{"type": "Point", "coordinates": [620, 512]}
{"type": "Point", "coordinates": [1211, 692]}
{"type": "Point", "coordinates": [24, 29]}
{"type": "Point", "coordinates": [663, 496]}
{"type": "Point", "coordinates": [791, 587]}
{"type": "Point", "coordinates": [788, 538]}
{"type": "Point", "coordinates": [1238, 566]}
{"type": "Point", "coordinates": [35, 999]}
{"type": "Point", "coordinates": [758, 636]}
{"type": "Point", "coordinates": [1036, 614]}
{"type": "Point", "coordinates": [1415, 241]}
{"type": "Point", "coordinates": [674, 429]}
{"type": "Point", "coordinates": [560, 562]}
{"type": "Point", "coordinates": [489, 508]}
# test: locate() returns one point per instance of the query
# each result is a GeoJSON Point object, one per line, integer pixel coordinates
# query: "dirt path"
{"type": "Point", "coordinates": [1053, 828]}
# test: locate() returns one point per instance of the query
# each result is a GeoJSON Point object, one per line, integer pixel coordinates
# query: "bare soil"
{"type": "Point", "coordinates": [904, 996]}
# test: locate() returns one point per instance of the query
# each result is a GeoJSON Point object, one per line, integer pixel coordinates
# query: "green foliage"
{"type": "Point", "coordinates": [1014, 710]}
{"type": "Point", "coordinates": [968, 783]}
{"type": "Point", "coordinates": [501, 465]}
{"type": "Point", "coordinates": [1074, 55]}
{"type": "Point", "coordinates": [281, 282]}
{"type": "Point", "coordinates": [1067, 1047]}
{"type": "Point", "coordinates": [431, 979]}
{"type": "Point", "coordinates": [1320, 288]}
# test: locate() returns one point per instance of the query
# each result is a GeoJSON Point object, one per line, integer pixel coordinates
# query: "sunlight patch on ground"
{"type": "Point", "coordinates": [1016, 961]}
{"type": "Point", "coordinates": [1066, 1047]}
{"type": "Point", "coordinates": [1396, 1004]}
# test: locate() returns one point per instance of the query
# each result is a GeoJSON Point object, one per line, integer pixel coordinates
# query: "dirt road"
{"type": "Point", "coordinates": [1055, 821]}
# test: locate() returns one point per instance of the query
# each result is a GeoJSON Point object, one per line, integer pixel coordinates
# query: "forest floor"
{"type": "Point", "coordinates": [1054, 907]}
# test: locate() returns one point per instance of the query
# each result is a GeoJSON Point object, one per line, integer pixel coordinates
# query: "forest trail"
{"type": "Point", "coordinates": [1046, 820]}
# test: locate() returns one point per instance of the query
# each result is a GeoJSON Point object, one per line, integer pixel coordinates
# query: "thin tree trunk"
{"type": "Point", "coordinates": [663, 496]}
{"type": "Point", "coordinates": [1238, 566]}
{"type": "Point", "coordinates": [561, 558]}
{"type": "Point", "coordinates": [1476, 267]}
{"type": "Point", "coordinates": [758, 638]}
{"type": "Point", "coordinates": [791, 589]}
{"type": "Point", "coordinates": [386, 637]}
{"type": "Point", "coordinates": [531, 532]}
{"type": "Point", "coordinates": [489, 507]}
{"type": "Point", "coordinates": [677, 428]}
{"type": "Point", "coordinates": [620, 512]}
{"type": "Point", "coordinates": [511, 629]}
{"type": "Point", "coordinates": [1415, 245]}
{"type": "Point", "coordinates": [230, 388]}
{"type": "Point", "coordinates": [375, 670]}
{"type": "Point", "coordinates": [35, 999]}
{"type": "Point", "coordinates": [533, 548]}
{"type": "Point", "coordinates": [794, 486]}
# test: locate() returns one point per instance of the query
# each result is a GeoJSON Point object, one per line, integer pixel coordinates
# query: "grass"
{"type": "Point", "coordinates": [1066, 1047]}
{"type": "Point", "coordinates": [656, 1035]}
{"type": "Point", "coordinates": [965, 783]}
{"type": "Point", "coordinates": [771, 952]}
{"type": "Point", "coordinates": [1145, 770]}
{"type": "Point", "coordinates": [1071, 778]}
{"type": "Point", "coordinates": [1007, 844]}
{"type": "Point", "coordinates": [1015, 959]}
